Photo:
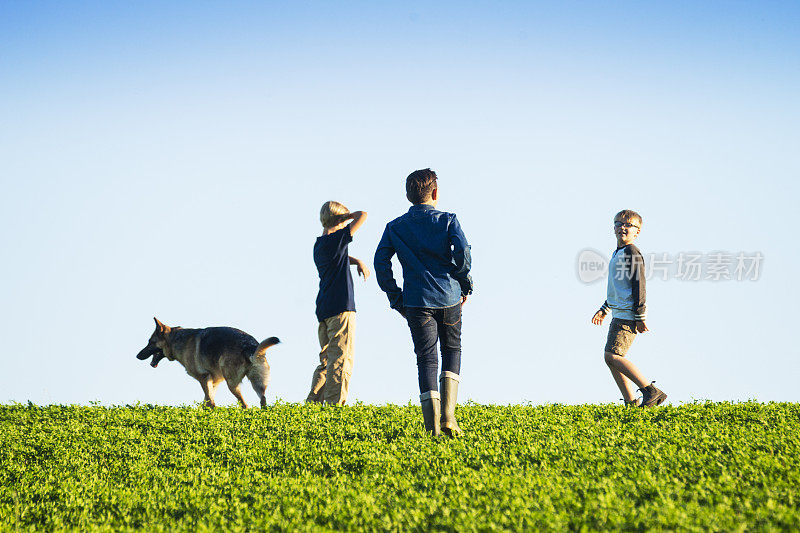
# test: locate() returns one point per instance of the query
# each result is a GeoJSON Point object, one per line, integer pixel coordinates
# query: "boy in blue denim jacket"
{"type": "Point", "coordinates": [435, 257]}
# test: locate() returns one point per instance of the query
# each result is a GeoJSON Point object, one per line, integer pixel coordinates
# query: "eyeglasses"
{"type": "Point", "coordinates": [618, 224]}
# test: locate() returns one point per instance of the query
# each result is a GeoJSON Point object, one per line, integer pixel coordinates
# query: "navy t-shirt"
{"type": "Point", "coordinates": [335, 281]}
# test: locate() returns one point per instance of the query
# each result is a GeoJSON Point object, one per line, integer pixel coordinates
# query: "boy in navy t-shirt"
{"type": "Point", "coordinates": [336, 308]}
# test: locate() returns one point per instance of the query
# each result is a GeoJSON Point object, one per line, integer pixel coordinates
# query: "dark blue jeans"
{"type": "Point", "coordinates": [427, 326]}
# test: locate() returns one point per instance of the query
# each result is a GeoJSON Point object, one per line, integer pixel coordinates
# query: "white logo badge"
{"type": "Point", "coordinates": [592, 266]}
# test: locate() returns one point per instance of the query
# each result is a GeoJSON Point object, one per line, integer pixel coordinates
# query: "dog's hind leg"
{"type": "Point", "coordinates": [259, 379]}
{"type": "Point", "coordinates": [233, 374]}
{"type": "Point", "coordinates": [237, 391]}
{"type": "Point", "coordinates": [260, 388]}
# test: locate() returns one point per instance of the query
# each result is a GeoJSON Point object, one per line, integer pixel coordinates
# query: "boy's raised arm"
{"type": "Point", "coordinates": [383, 272]}
{"type": "Point", "coordinates": [359, 217]}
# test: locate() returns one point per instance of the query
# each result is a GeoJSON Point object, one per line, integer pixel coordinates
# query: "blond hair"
{"type": "Point", "coordinates": [628, 215]}
{"type": "Point", "coordinates": [331, 213]}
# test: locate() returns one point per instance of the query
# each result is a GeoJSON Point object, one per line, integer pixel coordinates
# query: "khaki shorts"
{"type": "Point", "coordinates": [620, 336]}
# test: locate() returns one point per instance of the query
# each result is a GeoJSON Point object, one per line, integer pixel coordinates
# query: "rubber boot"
{"type": "Point", "coordinates": [431, 411]}
{"type": "Point", "coordinates": [448, 384]}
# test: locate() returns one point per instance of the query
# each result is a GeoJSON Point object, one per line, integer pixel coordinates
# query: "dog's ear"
{"type": "Point", "coordinates": [160, 328]}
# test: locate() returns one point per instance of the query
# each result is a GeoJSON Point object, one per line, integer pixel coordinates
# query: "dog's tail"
{"type": "Point", "coordinates": [263, 345]}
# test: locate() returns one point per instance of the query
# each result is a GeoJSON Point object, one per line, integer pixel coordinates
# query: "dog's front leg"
{"type": "Point", "coordinates": [209, 389]}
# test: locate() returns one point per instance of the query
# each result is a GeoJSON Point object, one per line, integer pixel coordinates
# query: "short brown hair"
{"type": "Point", "coordinates": [331, 213]}
{"type": "Point", "coordinates": [627, 214]}
{"type": "Point", "coordinates": [420, 185]}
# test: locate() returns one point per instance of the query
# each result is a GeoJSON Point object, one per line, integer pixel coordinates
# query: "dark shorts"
{"type": "Point", "coordinates": [620, 336]}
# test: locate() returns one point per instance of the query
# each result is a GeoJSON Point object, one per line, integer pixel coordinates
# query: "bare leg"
{"type": "Point", "coordinates": [626, 368]}
{"type": "Point", "coordinates": [625, 385]}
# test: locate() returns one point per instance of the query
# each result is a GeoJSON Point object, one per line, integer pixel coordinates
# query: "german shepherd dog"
{"type": "Point", "coordinates": [210, 355]}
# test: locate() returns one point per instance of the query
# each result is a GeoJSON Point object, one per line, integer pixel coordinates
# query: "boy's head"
{"type": "Point", "coordinates": [627, 225]}
{"type": "Point", "coordinates": [330, 214]}
{"type": "Point", "coordinates": [421, 186]}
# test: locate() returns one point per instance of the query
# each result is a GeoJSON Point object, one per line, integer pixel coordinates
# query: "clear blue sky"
{"type": "Point", "coordinates": [169, 159]}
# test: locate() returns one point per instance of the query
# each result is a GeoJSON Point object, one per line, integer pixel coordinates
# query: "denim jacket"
{"type": "Point", "coordinates": [435, 257]}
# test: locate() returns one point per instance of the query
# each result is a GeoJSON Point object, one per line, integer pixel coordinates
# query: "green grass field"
{"type": "Point", "coordinates": [701, 466]}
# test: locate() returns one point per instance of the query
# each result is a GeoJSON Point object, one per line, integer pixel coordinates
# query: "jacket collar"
{"type": "Point", "coordinates": [421, 207]}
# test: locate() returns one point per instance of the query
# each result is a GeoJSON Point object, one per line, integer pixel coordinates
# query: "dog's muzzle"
{"type": "Point", "coordinates": [147, 351]}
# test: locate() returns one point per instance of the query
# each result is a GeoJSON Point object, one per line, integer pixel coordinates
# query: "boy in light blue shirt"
{"type": "Point", "coordinates": [626, 301]}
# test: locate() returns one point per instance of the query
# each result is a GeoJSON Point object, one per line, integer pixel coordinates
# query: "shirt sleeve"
{"type": "Point", "coordinates": [462, 258]}
{"type": "Point", "coordinates": [383, 270]}
{"type": "Point", "coordinates": [343, 237]}
{"type": "Point", "coordinates": [638, 288]}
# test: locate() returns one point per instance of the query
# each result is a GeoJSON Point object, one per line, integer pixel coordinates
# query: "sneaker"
{"type": "Point", "coordinates": [652, 396]}
{"type": "Point", "coordinates": [636, 402]}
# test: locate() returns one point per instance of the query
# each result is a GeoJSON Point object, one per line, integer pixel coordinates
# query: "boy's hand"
{"type": "Point", "coordinates": [641, 327]}
{"type": "Point", "coordinates": [598, 318]}
{"type": "Point", "coordinates": [363, 271]}
{"type": "Point", "coordinates": [463, 299]}
{"type": "Point", "coordinates": [362, 268]}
